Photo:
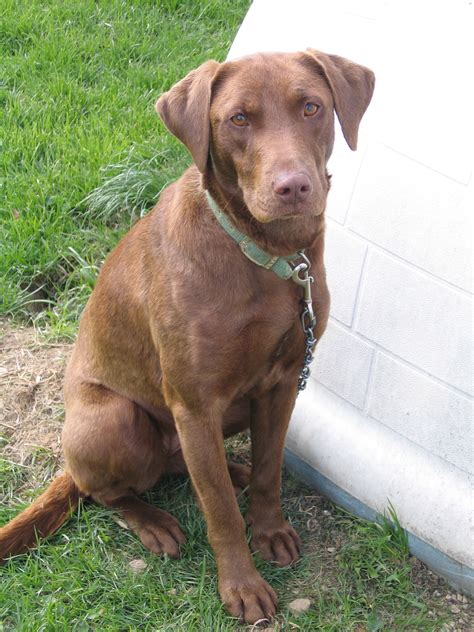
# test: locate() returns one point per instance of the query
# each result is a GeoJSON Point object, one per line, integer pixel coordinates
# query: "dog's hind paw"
{"type": "Point", "coordinates": [280, 544]}
{"type": "Point", "coordinates": [158, 530]}
{"type": "Point", "coordinates": [240, 476]}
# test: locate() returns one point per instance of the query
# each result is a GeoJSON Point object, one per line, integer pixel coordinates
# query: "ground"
{"type": "Point", "coordinates": [357, 576]}
{"type": "Point", "coordinates": [31, 372]}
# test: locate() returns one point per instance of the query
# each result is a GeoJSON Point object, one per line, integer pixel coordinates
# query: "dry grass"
{"type": "Point", "coordinates": [31, 374]}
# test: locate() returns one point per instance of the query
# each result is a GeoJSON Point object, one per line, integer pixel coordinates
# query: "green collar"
{"type": "Point", "coordinates": [279, 265]}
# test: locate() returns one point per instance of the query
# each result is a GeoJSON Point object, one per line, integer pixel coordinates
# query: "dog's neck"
{"type": "Point", "coordinates": [280, 237]}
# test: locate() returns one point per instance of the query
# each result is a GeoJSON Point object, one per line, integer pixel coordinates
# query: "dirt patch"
{"type": "Point", "coordinates": [31, 403]}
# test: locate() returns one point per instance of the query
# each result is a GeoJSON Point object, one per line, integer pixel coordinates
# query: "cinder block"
{"type": "Point", "coordinates": [432, 416]}
{"type": "Point", "coordinates": [416, 80]}
{"type": "Point", "coordinates": [344, 257]}
{"type": "Point", "coordinates": [418, 319]}
{"type": "Point", "coordinates": [290, 32]}
{"type": "Point", "coordinates": [342, 364]}
{"type": "Point", "coordinates": [369, 9]}
{"type": "Point", "coordinates": [418, 215]}
{"type": "Point", "coordinates": [344, 165]}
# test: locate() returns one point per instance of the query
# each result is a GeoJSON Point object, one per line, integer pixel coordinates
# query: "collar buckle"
{"type": "Point", "coordinates": [250, 251]}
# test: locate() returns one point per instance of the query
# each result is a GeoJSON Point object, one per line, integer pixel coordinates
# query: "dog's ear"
{"type": "Point", "coordinates": [185, 111]}
{"type": "Point", "coordinates": [352, 87]}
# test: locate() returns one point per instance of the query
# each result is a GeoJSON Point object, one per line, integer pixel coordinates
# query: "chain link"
{"type": "Point", "coordinates": [308, 319]}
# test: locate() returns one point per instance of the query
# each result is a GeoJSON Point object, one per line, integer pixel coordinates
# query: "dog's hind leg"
{"type": "Point", "coordinates": [114, 451]}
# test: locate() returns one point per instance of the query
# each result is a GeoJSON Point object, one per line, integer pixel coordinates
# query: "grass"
{"type": "Point", "coordinates": [357, 575]}
{"type": "Point", "coordinates": [78, 82]}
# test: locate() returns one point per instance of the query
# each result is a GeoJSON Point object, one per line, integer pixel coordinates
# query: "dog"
{"type": "Point", "coordinates": [185, 340]}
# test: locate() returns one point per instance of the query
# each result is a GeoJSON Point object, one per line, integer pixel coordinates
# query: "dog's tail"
{"type": "Point", "coordinates": [42, 518]}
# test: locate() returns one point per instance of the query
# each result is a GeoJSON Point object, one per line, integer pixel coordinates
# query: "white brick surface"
{"type": "Point", "coordinates": [418, 319]}
{"type": "Point", "coordinates": [344, 166]}
{"type": "Point", "coordinates": [287, 30]}
{"type": "Point", "coordinates": [418, 215]}
{"type": "Point", "coordinates": [344, 257]}
{"type": "Point", "coordinates": [342, 363]}
{"type": "Point", "coordinates": [432, 498]}
{"type": "Point", "coordinates": [425, 99]}
{"type": "Point", "coordinates": [423, 411]}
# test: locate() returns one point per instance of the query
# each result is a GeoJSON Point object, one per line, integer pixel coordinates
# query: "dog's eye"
{"type": "Point", "coordinates": [310, 109]}
{"type": "Point", "coordinates": [240, 120]}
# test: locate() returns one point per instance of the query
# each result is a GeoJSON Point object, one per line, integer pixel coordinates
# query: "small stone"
{"type": "Point", "coordinates": [137, 566]}
{"type": "Point", "coordinates": [298, 606]}
{"type": "Point", "coordinates": [312, 524]}
{"type": "Point", "coordinates": [455, 609]}
{"type": "Point", "coordinates": [330, 549]}
{"type": "Point", "coordinates": [436, 593]}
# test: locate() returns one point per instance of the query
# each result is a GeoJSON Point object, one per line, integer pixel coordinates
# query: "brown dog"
{"type": "Point", "coordinates": [185, 341]}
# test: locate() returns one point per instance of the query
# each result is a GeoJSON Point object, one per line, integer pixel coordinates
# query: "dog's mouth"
{"type": "Point", "coordinates": [265, 214]}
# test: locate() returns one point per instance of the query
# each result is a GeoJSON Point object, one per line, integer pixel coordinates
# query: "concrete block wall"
{"type": "Point", "coordinates": [395, 367]}
{"type": "Point", "coordinates": [398, 346]}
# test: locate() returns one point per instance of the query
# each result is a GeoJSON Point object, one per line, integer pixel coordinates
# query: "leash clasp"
{"type": "Point", "coordinates": [305, 281]}
{"type": "Point", "coordinates": [300, 276]}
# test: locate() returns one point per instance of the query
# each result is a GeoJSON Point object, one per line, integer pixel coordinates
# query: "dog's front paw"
{"type": "Point", "coordinates": [276, 543]}
{"type": "Point", "coordinates": [249, 597]}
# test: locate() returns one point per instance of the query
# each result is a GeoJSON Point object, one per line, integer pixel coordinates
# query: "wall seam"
{"type": "Point", "coordinates": [357, 302]}
{"type": "Point", "coordinates": [370, 381]}
{"type": "Point", "coordinates": [422, 372]}
{"type": "Point", "coordinates": [409, 264]}
{"type": "Point", "coordinates": [423, 164]}
{"type": "Point", "coordinates": [392, 430]}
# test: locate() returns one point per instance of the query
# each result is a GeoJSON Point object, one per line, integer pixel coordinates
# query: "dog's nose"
{"type": "Point", "coordinates": [292, 187]}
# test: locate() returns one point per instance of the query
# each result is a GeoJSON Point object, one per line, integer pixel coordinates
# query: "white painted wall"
{"type": "Point", "coordinates": [389, 412]}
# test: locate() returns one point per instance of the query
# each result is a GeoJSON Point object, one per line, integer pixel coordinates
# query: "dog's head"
{"type": "Point", "coordinates": [263, 125]}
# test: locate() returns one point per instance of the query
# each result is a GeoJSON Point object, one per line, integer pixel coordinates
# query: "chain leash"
{"type": "Point", "coordinates": [308, 319]}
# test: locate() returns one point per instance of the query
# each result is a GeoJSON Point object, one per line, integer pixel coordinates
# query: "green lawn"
{"type": "Point", "coordinates": [357, 575]}
{"type": "Point", "coordinates": [78, 84]}
{"type": "Point", "coordinates": [82, 154]}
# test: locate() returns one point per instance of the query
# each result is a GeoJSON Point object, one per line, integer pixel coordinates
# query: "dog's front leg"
{"type": "Point", "coordinates": [242, 589]}
{"type": "Point", "coordinates": [272, 536]}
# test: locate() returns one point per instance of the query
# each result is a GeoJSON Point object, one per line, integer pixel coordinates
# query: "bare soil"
{"type": "Point", "coordinates": [32, 412]}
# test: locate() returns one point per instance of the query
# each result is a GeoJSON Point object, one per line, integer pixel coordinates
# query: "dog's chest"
{"type": "Point", "coordinates": [288, 353]}
{"type": "Point", "coordinates": [272, 349]}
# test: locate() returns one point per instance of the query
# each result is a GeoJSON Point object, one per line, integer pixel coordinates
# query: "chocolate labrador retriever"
{"type": "Point", "coordinates": [185, 340]}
